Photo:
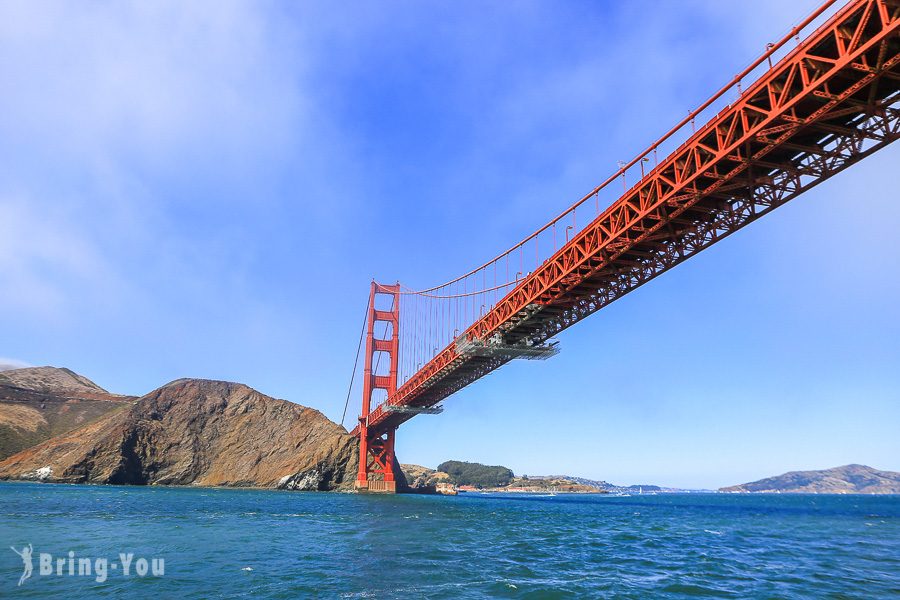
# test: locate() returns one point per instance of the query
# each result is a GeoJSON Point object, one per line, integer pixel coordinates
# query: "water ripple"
{"type": "Point", "coordinates": [266, 544]}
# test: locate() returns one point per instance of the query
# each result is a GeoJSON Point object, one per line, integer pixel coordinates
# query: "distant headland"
{"type": "Point", "coordinates": [849, 479]}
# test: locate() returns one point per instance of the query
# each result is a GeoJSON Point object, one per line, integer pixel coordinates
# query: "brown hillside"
{"type": "Point", "coordinates": [198, 432]}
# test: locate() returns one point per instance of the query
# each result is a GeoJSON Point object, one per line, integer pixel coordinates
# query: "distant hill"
{"type": "Point", "coordinates": [640, 488]}
{"type": "Point", "coordinates": [592, 483]}
{"type": "Point", "coordinates": [476, 474]}
{"type": "Point", "coordinates": [849, 479]}
{"type": "Point", "coordinates": [499, 478]}
{"type": "Point", "coordinates": [495, 478]}
{"type": "Point", "coordinates": [37, 403]}
{"type": "Point", "coordinates": [51, 379]}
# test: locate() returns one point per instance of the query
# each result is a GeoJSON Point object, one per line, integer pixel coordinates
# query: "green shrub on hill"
{"type": "Point", "coordinates": [466, 473]}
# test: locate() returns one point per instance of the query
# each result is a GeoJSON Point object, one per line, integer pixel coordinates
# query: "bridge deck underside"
{"type": "Point", "coordinates": [832, 102]}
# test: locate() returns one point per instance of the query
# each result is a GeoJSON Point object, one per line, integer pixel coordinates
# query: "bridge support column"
{"type": "Point", "coordinates": [376, 449]}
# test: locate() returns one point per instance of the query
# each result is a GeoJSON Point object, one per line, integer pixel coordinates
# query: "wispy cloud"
{"type": "Point", "coordinates": [147, 86]}
{"type": "Point", "coordinates": [131, 129]}
{"type": "Point", "coordinates": [8, 364]}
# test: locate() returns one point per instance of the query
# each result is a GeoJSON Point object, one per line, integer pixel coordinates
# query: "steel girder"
{"type": "Point", "coordinates": [828, 104]}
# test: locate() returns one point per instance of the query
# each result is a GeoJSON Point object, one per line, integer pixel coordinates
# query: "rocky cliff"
{"type": "Point", "coordinates": [423, 478]}
{"type": "Point", "coordinates": [849, 479]}
{"type": "Point", "coordinates": [202, 433]}
{"type": "Point", "coordinates": [38, 403]}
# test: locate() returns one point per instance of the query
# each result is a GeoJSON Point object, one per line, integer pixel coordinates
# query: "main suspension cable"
{"type": "Point", "coordinates": [771, 49]}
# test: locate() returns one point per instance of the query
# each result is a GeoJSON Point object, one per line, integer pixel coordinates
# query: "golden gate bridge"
{"type": "Point", "coordinates": [819, 100]}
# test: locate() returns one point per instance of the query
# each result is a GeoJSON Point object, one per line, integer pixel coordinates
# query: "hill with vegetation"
{"type": "Point", "coordinates": [476, 474]}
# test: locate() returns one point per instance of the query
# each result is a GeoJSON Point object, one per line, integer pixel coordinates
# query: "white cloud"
{"type": "Point", "coordinates": [8, 364]}
{"type": "Point", "coordinates": [121, 118]}
{"type": "Point", "coordinates": [44, 262]}
{"type": "Point", "coordinates": [148, 85]}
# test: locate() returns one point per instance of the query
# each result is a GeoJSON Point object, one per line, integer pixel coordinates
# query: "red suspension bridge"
{"type": "Point", "coordinates": [819, 100]}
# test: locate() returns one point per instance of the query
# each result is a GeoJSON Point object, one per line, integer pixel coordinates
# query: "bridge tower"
{"type": "Point", "coordinates": [376, 453]}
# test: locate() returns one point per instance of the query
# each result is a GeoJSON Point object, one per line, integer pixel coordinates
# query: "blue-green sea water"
{"type": "Point", "coordinates": [219, 543]}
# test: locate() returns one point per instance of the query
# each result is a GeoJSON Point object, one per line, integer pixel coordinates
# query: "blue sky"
{"type": "Point", "coordinates": [205, 190]}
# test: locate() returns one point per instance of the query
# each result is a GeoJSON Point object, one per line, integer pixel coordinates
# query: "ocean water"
{"type": "Point", "coordinates": [265, 544]}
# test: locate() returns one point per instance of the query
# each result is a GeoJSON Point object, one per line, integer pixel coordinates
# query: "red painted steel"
{"type": "Point", "coordinates": [376, 448]}
{"type": "Point", "coordinates": [827, 104]}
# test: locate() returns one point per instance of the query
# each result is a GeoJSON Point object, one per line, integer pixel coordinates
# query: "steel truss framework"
{"type": "Point", "coordinates": [376, 448]}
{"type": "Point", "coordinates": [831, 102]}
